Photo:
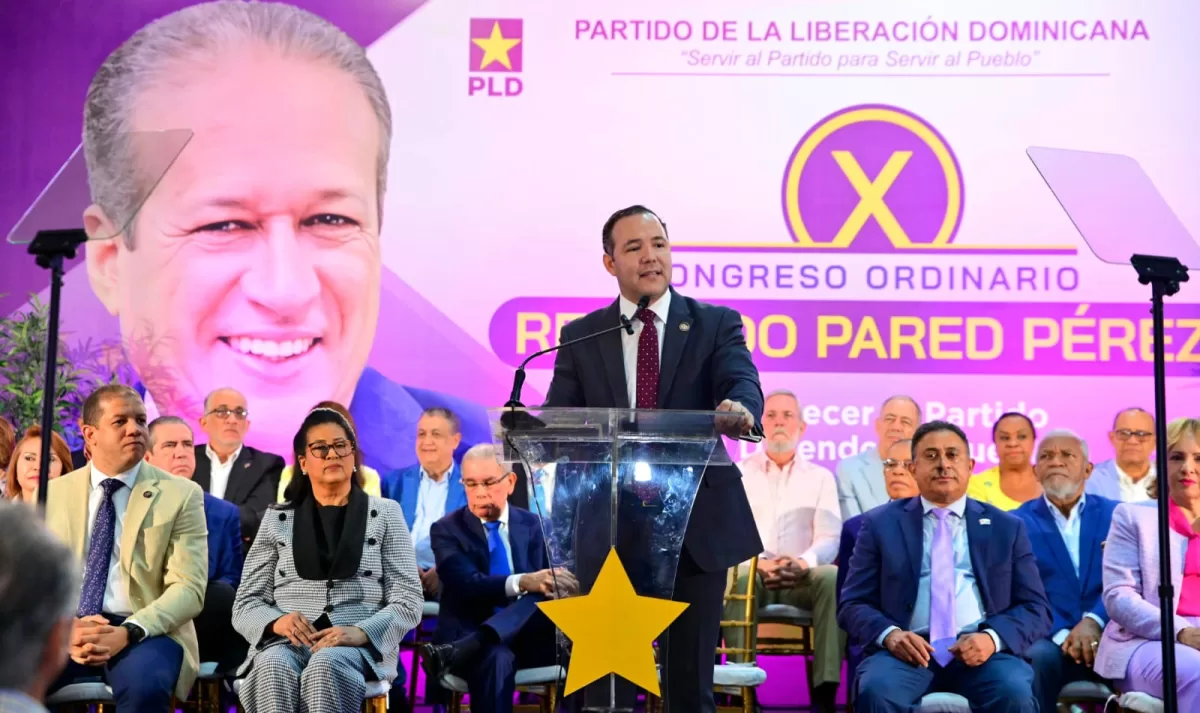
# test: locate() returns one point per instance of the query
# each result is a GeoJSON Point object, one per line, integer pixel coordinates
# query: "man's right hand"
{"type": "Point", "coordinates": [429, 580]}
{"type": "Point", "coordinates": [1190, 636]}
{"type": "Point", "coordinates": [543, 583]}
{"type": "Point", "coordinates": [909, 647]}
{"type": "Point", "coordinates": [296, 628]}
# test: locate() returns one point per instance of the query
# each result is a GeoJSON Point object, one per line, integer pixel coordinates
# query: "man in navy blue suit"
{"type": "Point", "coordinates": [943, 591]}
{"type": "Point", "coordinates": [1066, 529]}
{"type": "Point", "coordinates": [683, 354]}
{"type": "Point", "coordinates": [493, 569]}
{"type": "Point", "coordinates": [171, 449]}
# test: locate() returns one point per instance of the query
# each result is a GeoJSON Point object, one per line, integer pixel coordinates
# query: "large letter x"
{"type": "Point", "coordinates": [871, 195]}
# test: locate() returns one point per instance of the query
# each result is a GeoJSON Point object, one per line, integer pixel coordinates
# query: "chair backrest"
{"type": "Point", "coordinates": [748, 619]}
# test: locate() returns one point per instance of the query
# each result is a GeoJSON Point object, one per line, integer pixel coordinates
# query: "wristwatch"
{"type": "Point", "coordinates": [136, 633]}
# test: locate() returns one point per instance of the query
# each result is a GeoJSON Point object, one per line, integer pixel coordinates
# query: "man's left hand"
{"type": "Point", "coordinates": [429, 580]}
{"type": "Point", "coordinates": [974, 649]}
{"type": "Point", "coordinates": [1082, 642]}
{"type": "Point", "coordinates": [93, 643]}
{"type": "Point", "coordinates": [738, 423]}
{"type": "Point", "coordinates": [787, 576]}
{"type": "Point", "coordinates": [351, 636]}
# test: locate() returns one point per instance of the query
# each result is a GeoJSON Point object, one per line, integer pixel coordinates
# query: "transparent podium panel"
{"type": "Point", "coordinates": [617, 479]}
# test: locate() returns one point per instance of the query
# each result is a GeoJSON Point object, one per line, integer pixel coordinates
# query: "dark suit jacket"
{"type": "Point", "coordinates": [470, 596]}
{"type": "Point", "coordinates": [700, 367]}
{"type": "Point", "coordinates": [253, 483]}
{"type": "Point", "coordinates": [850, 530]}
{"type": "Point", "coordinates": [1071, 596]}
{"type": "Point", "coordinates": [224, 541]}
{"type": "Point", "coordinates": [881, 587]}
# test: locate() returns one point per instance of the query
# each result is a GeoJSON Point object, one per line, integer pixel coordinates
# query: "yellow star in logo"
{"type": "Point", "coordinates": [495, 48]}
{"type": "Point", "coordinates": [612, 629]}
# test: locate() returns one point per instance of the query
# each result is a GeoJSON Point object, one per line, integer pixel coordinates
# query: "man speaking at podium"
{"type": "Point", "coordinates": [682, 355]}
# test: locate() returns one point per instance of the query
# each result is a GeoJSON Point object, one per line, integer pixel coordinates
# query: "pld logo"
{"type": "Point", "coordinates": [497, 51]}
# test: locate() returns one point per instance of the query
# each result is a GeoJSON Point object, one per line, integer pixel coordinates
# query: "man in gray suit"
{"type": "Point", "coordinates": [860, 478]}
{"type": "Point", "coordinates": [39, 589]}
{"type": "Point", "coordinates": [1127, 477]}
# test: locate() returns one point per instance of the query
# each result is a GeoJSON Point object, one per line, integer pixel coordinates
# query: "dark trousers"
{"type": "Point", "coordinates": [524, 638]}
{"type": "Point", "coordinates": [1003, 684]}
{"type": "Point", "coordinates": [1052, 669]}
{"type": "Point", "coordinates": [219, 641]}
{"type": "Point", "coordinates": [142, 676]}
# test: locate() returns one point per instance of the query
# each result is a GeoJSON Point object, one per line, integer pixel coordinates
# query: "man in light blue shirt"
{"type": "Point", "coordinates": [430, 489]}
{"type": "Point", "coordinates": [860, 478]}
{"type": "Point", "coordinates": [1066, 530]}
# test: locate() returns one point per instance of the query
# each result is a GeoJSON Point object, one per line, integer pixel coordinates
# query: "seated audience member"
{"type": "Point", "coordinates": [21, 482]}
{"type": "Point", "coordinates": [1128, 476]}
{"type": "Point", "coordinates": [1066, 529]}
{"type": "Point", "coordinates": [795, 505]}
{"type": "Point", "coordinates": [860, 477]}
{"type": "Point", "coordinates": [1130, 650]}
{"type": "Point", "coordinates": [330, 586]}
{"type": "Point", "coordinates": [900, 484]}
{"type": "Point", "coordinates": [489, 624]}
{"type": "Point", "coordinates": [141, 534]}
{"type": "Point", "coordinates": [431, 489]}
{"type": "Point", "coordinates": [1013, 482]}
{"type": "Point", "coordinates": [943, 591]}
{"type": "Point", "coordinates": [368, 477]}
{"type": "Point", "coordinates": [39, 588]}
{"type": "Point", "coordinates": [231, 470]}
{"type": "Point", "coordinates": [8, 440]}
{"type": "Point", "coordinates": [172, 449]}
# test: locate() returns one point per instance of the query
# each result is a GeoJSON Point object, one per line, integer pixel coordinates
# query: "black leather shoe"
{"type": "Point", "coordinates": [437, 659]}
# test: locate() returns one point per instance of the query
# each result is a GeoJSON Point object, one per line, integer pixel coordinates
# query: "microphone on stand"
{"type": "Point", "coordinates": [517, 418]}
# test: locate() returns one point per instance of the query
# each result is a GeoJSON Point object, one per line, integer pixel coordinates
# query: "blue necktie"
{"type": "Point", "coordinates": [95, 574]}
{"type": "Point", "coordinates": [539, 495]}
{"type": "Point", "coordinates": [497, 555]}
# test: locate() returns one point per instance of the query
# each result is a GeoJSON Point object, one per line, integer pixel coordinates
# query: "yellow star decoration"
{"type": "Point", "coordinates": [495, 48]}
{"type": "Point", "coordinates": [612, 629]}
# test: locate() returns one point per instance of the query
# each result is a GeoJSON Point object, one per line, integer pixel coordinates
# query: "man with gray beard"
{"type": "Point", "coordinates": [795, 505]}
{"type": "Point", "coordinates": [1067, 529]}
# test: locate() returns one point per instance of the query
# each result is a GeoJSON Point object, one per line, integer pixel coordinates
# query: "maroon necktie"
{"type": "Point", "coordinates": [647, 362]}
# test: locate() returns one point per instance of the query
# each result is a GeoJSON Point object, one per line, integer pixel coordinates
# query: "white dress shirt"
{"type": "Point", "coordinates": [431, 507]}
{"type": "Point", "coordinates": [968, 604]}
{"type": "Point", "coordinates": [795, 508]}
{"type": "Point", "coordinates": [512, 585]}
{"type": "Point", "coordinates": [220, 471]}
{"type": "Point", "coordinates": [629, 342]}
{"type": "Point", "coordinates": [1133, 491]}
{"type": "Point", "coordinates": [1069, 528]}
{"type": "Point", "coordinates": [116, 596]}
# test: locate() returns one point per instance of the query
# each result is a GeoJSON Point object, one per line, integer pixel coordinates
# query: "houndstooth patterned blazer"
{"type": "Point", "coordinates": [384, 598]}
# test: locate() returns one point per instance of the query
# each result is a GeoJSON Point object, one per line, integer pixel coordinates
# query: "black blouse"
{"type": "Point", "coordinates": [328, 539]}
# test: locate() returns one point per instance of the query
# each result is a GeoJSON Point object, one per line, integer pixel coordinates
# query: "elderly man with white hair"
{"type": "Point", "coordinates": [795, 505]}
{"type": "Point", "coordinates": [39, 589]}
{"type": "Point", "coordinates": [1067, 528]}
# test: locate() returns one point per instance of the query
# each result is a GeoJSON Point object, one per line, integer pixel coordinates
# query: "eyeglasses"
{"type": "Point", "coordinates": [340, 449]}
{"type": "Point", "coordinates": [889, 463]}
{"type": "Point", "coordinates": [482, 484]}
{"type": "Point", "coordinates": [1125, 434]}
{"type": "Point", "coordinates": [224, 412]}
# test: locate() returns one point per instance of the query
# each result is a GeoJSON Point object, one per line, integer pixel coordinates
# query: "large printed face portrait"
{"type": "Point", "coordinates": [255, 263]}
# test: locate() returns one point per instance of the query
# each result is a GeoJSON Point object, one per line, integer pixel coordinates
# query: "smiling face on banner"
{"type": "Point", "coordinates": [260, 245]}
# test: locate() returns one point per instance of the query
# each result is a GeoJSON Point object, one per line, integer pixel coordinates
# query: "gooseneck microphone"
{"type": "Point", "coordinates": [511, 419]}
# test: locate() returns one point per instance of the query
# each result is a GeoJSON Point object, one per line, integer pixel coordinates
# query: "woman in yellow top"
{"type": "Point", "coordinates": [1013, 482]}
{"type": "Point", "coordinates": [368, 477]}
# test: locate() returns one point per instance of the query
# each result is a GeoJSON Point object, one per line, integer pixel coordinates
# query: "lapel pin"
{"type": "Point", "coordinates": [985, 521]}
{"type": "Point", "coordinates": [684, 326]}
{"type": "Point", "coordinates": [246, 465]}
{"type": "Point", "coordinates": [145, 493]}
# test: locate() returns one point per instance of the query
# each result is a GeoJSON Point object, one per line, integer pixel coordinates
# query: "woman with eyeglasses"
{"type": "Point", "coordinates": [1130, 651]}
{"type": "Point", "coordinates": [1012, 482]}
{"type": "Point", "coordinates": [367, 477]}
{"type": "Point", "coordinates": [330, 585]}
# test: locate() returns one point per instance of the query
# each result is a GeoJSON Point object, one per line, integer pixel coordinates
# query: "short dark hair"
{"type": "Point", "coordinates": [443, 412]}
{"type": "Point", "coordinates": [926, 429]}
{"type": "Point", "coordinates": [606, 233]}
{"type": "Point", "coordinates": [166, 421]}
{"type": "Point", "coordinates": [1018, 414]}
{"type": "Point", "coordinates": [94, 405]}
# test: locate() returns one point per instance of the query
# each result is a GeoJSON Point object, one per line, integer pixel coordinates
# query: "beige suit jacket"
{"type": "Point", "coordinates": [164, 552]}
